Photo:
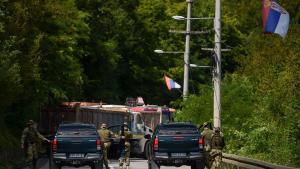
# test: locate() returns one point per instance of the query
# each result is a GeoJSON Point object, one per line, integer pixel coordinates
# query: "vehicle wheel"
{"type": "Point", "coordinates": [98, 165]}
{"type": "Point", "coordinates": [149, 164]}
{"type": "Point", "coordinates": [53, 165]}
{"type": "Point", "coordinates": [152, 165]}
{"type": "Point", "coordinates": [198, 165]}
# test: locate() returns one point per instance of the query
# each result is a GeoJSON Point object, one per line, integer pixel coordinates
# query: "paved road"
{"type": "Point", "coordinates": [135, 164]}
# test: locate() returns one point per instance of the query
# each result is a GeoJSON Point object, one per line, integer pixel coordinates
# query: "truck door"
{"type": "Point", "coordinates": [137, 125]}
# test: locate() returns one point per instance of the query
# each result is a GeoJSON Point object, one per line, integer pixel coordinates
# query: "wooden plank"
{"type": "Point", "coordinates": [240, 164]}
{"type": "Point", "coordinates": [254, 162]}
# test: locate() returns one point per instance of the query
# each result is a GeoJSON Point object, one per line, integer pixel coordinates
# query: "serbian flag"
{"type": "Point", "coordinates": [171, 84]}
{"type": "Point", "coordinates": [275, 18]}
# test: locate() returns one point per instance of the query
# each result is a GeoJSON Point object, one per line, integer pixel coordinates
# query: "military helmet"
{"type": "Point", "coordinates": [205, 124]}
{"type": "Point", "coordinates": [30, 122]}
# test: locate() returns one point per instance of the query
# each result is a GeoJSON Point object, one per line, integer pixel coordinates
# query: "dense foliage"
{"type": "Point", "coordinates": [260, 100]}
{"type": "Point", "coordinates": [96, 50]}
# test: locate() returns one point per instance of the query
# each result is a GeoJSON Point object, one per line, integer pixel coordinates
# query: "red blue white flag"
{"type": "Point", "coordinates": [171, 84]}
{"type": "Point", "coordinates": [275, 18]}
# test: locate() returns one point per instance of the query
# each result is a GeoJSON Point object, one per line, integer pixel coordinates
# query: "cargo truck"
{"type": "Point", "coordinates": [114, 116]}
{"type": "Point", "coordinates": [141, 120]}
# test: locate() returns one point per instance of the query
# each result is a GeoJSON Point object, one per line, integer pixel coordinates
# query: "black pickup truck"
{"type": "Point", "coordinates": [76, 144]}
{"type": "Point", "coordinates": [176, 144]}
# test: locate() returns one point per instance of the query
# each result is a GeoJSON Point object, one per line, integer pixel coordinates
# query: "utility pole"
{"type": "Point", "coordinates": [217, 69]}
{"type": "Point", "coordinates": [187, 50]}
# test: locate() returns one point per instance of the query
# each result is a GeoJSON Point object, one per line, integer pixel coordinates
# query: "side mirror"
{"type": "Point", "coordinates": [147, 136]}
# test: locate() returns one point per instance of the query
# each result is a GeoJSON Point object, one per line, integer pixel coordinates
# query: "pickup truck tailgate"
{"type": "Point", "coordinates": [179, 143]}
{"type": "Point", "coordinates": [76, 145]}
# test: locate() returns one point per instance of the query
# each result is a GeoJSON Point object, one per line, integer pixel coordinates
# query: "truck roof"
{"type": "Point", "coordinates": [151, 109]}
{"type": "Point", "coordinates": [108, 108]}
{"type": "Point", "coordinates": [180, 124]}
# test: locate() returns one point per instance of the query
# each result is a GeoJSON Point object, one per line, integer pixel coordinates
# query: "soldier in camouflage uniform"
{"type": "Point", "coordinates": [206, 135]}
{"type": "Point", "coordinates": [217, 145]}
{"type": "Point", "coordinates": [125, 154]}
{"type": "Point", "coordinates": [106, 136]}
{"type": "Point", "coordinates": [29, 141]}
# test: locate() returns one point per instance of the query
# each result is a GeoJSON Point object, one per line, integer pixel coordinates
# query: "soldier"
{"type": "Point", "coordinates": [217, 145]}
{"type": "Point", "coordinates": [106, 136]}
{"type": "Point", "coordinates": [125, 152]}
{"type": "Point", "coordinates": [29, 141]}
{"type": "Point", "coordinates": [206, 135]}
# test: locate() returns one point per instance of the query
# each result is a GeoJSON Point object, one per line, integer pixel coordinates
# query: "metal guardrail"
{"type": "Point", "coordinates": [249, 163]}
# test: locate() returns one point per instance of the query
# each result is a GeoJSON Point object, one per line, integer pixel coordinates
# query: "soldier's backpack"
{"type": "Point", "coordinates": [217, 141]}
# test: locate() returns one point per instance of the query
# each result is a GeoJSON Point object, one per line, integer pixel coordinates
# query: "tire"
{"type": "Point", "coordinates": [152, 165]}
{"type": "Point", "coordinates": [149, 165]}
{"type": "Point", "coordinates": [146, 151]}
{"type": "Point", "coordinates": [98, 165]}
{"type": "Point", "coordinates": [53, 165]}
{"type": "Point", "coordinates": [198, 165]}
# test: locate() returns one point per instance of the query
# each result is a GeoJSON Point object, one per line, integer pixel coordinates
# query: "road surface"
{"type": "Point", "coordinates": [135, 164]}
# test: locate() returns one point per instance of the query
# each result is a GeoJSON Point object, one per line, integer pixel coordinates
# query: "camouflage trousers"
{"type": "Point", "coordinates": [125, 155]}
{"type": "Point", "coordinates": [208, 159]}
{"type": "Point", "coordinates": [216, 156]}
{"type": "Point", "coordinates": [31, 155]}
{"type": "Point", "coordinates": [105, 154]}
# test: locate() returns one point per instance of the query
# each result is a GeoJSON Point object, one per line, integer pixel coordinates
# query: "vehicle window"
{"type": "Point", "coordinates": [139, 119]}
{"type": "Point", "coordinates": [76, 130]}
{"type": "Point", "coordinates": [170, 130]}
{"type": "Point", "coordinates": [166, 117]}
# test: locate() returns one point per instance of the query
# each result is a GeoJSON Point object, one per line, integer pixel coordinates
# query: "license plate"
{"type": "Point", "coordinates": [178, 161]}
{"type": "Point", "coordinates": [75, 162]}
{"type": "Point", "coordinates": [76, 155]}
{"type": "Point", "coordinates": [178, 154]}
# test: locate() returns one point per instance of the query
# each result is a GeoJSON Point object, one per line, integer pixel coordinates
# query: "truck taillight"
{"type": "Point", "coordinates": [155, 144]}
{"type": "Point", "coordinates": [200, 141]}
{"type": "Point", "coordinates": [54, 145]}
{"type": "Point", "coordinates": [98, 143]}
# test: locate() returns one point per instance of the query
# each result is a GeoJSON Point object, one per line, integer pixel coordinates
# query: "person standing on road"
{"type": "Point", "coordinates": [125, 152]}
{"type": "Point", "coordinates": [217, 145]}
{"type": "Point", "coordinates": [105, 135]}
{"type": "Point", "coordinates": [29, 141]}
{"type": "Point", "coordinates": [206, 136]}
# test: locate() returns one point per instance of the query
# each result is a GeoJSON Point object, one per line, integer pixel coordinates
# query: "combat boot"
{"type": "Point", "coordinates": [34, 161]}
{"type": "Point", "coordinates": [120, 163]}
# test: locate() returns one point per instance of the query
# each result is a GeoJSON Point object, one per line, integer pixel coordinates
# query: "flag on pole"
{"type": "Point", "coordinates": [275, 18]}
{"type": "Point", "coordinates": [171, 84]}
